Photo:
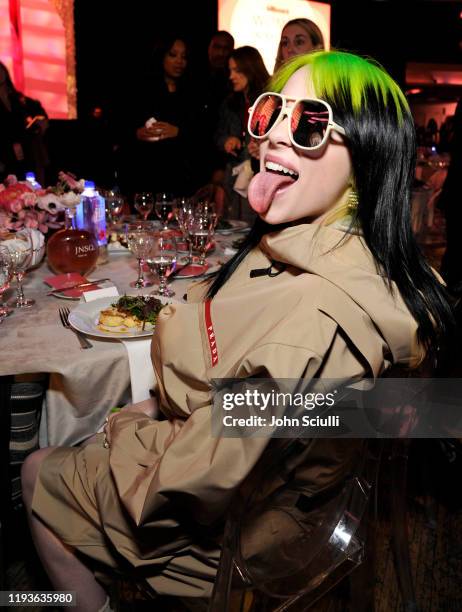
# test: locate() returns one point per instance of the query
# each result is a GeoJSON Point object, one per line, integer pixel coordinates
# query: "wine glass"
{"type": "Point", "coordinates": [140, 242]}
{"type": "Point", "coordinates": [201, 228]}
{"type": "Point", "coordinates": [184, 209]}
{"type": "Point", "coordinates": [114, 204]}
{"type": "Point", "coordinates": [162, 260]}
{"type": "Point", "coordinates": [144, 203]}
{"type": "Point", "coordinates": [164, 208]}
{"type": "Point", "coordinates": [6, 274]}
{"type": "Point", "coordinates": [21, 253]}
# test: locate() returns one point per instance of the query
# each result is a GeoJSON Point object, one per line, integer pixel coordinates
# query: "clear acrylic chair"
{"type": "Point", "coordinates": [290, 545]}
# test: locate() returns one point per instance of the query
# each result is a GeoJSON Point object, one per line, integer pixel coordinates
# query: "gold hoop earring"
{"type": "Point", "coordinates": [352, 201]}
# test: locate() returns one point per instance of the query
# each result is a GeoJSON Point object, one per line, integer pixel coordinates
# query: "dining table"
{"type": "Point", "coordinates": [83, 385]}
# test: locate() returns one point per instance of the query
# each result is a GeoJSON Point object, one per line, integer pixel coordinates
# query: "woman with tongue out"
{"type": "Point", "coordinates": [329, 284]}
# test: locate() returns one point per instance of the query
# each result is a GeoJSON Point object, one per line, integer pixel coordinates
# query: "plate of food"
{"type": "Point", "coordinates": [126, 316]}
{"type": "Point", "coordinates": [231, 226]}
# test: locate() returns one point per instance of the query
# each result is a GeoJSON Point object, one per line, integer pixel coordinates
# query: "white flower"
{"type": "Point", "coordinates": [51, 203]}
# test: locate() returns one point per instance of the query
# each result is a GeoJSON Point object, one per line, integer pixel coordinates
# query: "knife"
{"type": "Point", "coordinates": [79, 285]}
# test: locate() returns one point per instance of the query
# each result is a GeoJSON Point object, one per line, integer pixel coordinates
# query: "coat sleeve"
{"type": "Point", "coordinates": [159, 466]}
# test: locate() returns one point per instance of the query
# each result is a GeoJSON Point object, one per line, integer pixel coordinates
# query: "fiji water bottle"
{"type": "Point", "coordinates": [91, 216]}
{"type": "Point", "coordinates": [30, 178]}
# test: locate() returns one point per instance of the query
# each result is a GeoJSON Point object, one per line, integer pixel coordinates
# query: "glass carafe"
{"type": "Point", "coordinates": [72, 250]}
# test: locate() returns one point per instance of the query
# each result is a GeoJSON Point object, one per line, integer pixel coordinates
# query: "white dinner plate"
{"type": "Point", "coordinates": [237, 226]}
{"type": "Point", "coordinates": [85, 316]}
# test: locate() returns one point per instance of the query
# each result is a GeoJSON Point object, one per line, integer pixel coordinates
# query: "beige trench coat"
{"type": "Point", "coordinates": [156, 500]}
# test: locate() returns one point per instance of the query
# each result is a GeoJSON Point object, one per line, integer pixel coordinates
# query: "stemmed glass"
{"type": "Point", "coordinates": [201, 227]}
{"type": "Point", "coordinates": [162, 260]}
{"type": "Point", "coordinates": [21, 257]}
{"type": "Point", "coordinates": [164, 208]}
{"type": "Point", "coordinates": [6, 274]}
{"type": "Point", "coordinates": [184, 209]}
{"type": "Point", "coordinates": [144, 203]}
{"type": "Point", "coordinates": [114, 204]}
{"type": "Point", "coordinates": [140, 242]}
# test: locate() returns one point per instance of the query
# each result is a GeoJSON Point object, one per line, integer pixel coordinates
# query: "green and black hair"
{"type": "Point", "coordinates": [380, 135]}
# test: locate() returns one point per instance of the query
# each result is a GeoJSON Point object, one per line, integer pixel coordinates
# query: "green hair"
{"type": "Point", "coordinates": [341, 76]}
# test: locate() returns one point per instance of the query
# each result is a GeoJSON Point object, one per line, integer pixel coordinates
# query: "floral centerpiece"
{"type": "Point", "coordinates": [22, 207]}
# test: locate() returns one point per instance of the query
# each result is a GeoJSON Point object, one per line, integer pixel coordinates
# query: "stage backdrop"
{"type": "Point", "coordinates": [37, 46]}
{"type": "Point", "coordinates": [259, 22]}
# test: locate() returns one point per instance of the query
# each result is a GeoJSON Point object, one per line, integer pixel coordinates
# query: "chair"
{"type": "Point", "coordinates": [20, 405]}
{"type": "Point", "coordinates": [293, 544]}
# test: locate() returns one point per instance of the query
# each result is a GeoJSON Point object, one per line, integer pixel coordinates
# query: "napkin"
{"type": "Point", "coordinates": [60, 281]}
{"type": "Point", "coordinates": [141, 371]}
{"type": "Point", "coordinates": [139, 355]}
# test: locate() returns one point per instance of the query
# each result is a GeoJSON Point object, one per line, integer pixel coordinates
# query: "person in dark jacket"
{"type": "Point", "coordinates": [159, 156]}
{"type": "Point", "coordinates": [23, 123]}
{"type": "Point", "coordinates": [248, 77]}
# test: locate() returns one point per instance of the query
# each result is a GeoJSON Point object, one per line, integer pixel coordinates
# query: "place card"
{"type": "Point", "coordinates": [96, 294]}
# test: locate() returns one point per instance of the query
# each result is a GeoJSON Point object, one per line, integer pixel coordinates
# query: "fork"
{"type": "Point", "coordinates": [64, 316]}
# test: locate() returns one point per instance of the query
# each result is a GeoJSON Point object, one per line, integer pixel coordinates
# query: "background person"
{"type": "Point", "coordinates": [248, 77]}
{"type": "Point", "coordinates": [298, 36]}
{"type": "Point", "coordinates": [23, 123]}
{"type": "Point", "coordinates": [159, 156]}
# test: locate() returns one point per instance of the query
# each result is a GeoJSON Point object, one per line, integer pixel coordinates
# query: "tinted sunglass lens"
{"type": "Point", "coordinates": [310, 120]}
{"type": "Point", "coordinates": [265, 114]}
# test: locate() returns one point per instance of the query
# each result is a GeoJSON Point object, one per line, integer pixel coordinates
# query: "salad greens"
{"type": "Point", "coordinates": [144, 307]}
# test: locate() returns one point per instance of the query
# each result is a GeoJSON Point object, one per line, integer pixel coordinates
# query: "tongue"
{"type": "Point", "coordinates": [262, 188]}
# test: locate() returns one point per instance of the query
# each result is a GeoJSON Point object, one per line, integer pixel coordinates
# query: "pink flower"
{"type": "Point", "coordinates": [29, 199]}
{"type": "Point", "coordinates": [70, 180]}
{"type": "Point", "coordinates": [43, 228]}
{"type": "Point", "coordinates": [31, 223]}
{"type": "Point", "coordinates": [11, 180]}
{"type": "Point", "coordinates": [16, 206]}
{"type": "Point", "coordinates": [22, 214]}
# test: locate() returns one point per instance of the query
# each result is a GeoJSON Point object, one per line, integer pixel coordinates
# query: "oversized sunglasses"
{"type": "Point", "coordinates": [310, 119]}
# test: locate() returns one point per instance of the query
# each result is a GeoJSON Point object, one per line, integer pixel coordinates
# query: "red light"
{"type": "Point", "coordinates": [411, 92]}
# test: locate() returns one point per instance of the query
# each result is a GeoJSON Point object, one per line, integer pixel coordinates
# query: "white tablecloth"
{"type": "Point", "coordinates": [84, 384]}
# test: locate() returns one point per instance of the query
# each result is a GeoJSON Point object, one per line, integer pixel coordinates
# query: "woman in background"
{"type": "Point", "coordinates": [23, 123]}
{"type": "Point", "coordinates": [164, 124]}
{"type": "Point", "coordinates": [298, 36]}
{"type": "Point", "coordinates": [248, 77]}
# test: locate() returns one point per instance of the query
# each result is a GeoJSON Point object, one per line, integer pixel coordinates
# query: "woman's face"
{"type": "Point", "coordinates": [238, 79]}
{"type": "Point", "coordinates": [175, 61]}
{"type": "Point", "coordinates": [322, 178]}
{"type": "Point", "coordinates": [295, 41]}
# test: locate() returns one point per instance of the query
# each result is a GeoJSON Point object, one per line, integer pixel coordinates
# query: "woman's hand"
{"type": "Point", "coordinates": [254, 148]}
{"type": "Point", "coordinates": [160, 130]}
{"type": "Point", "coordinates": [165, 130]}
{"type": "Point", "coordinates": [232, 145]}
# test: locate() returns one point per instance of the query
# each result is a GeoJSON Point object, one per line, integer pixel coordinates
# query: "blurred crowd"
{"type": "Point", "coordinates": [181, 129]}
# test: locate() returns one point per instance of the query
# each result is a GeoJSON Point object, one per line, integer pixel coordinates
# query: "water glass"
{"type": "Point", "coordinates": [140, 242]}
{"type": "Point", "coordinates": [163, 260]}
{"type": "Point", "coordinates": [6, 274]}
{"type": "Point", "coordinates": [21, 252]}
{"type": "Point", "coordinates": [164, 208]}
{"type": "Point", "coordinates": [144, 203]}
{"type": "Point", "coordinates": [201, 227]}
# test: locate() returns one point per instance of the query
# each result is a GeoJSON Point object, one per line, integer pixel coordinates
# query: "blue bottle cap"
{"type": "Point", "coordinates": [90, 184]}
{"type": "Point", "coordinates": [30, 175]}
